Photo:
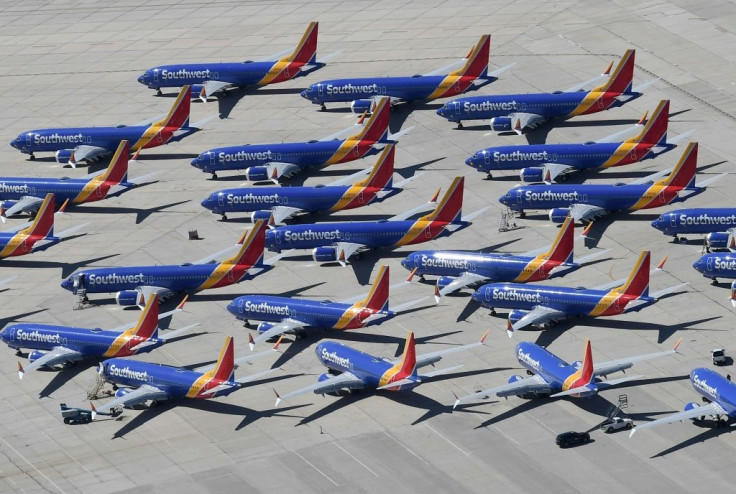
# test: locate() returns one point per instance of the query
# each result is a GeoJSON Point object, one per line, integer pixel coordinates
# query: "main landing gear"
{"type": "Point", "coordinates": [214, 176]}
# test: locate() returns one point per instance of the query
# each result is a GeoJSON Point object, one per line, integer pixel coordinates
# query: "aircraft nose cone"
{"type": "Point", "coordinates": [503, 200]}
{"type": "Point", "coordinates": [66, 284]}
{"type": "Point", "coordinates": [441, 111]}
{"type": "Point", "coordinates": [195, 162]}
{"type": "Point", "coordinates": [15, 142]}
{"type": "Point", "coordinates": [698, 265]}
{"type": "Point", "coordinates": [232, 308]}
{"type": "Point", "coordinates": [142, 79]}
{"type": "Point", "coordinates": [470, 161]}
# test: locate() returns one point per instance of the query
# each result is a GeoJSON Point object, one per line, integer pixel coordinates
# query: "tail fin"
{"type": "Point", "coordinates": [586, 368]}
{"type": "Point", "coordinates": [377, 298]}
{"type": "Point", "coordinates": [43, 224]}
{"type": "Point", "coordinates": [655, 131]}
{"type": "Point", "coordinates": [117, 170]}
{"type": "Point", "coordinates": [178, 116]}
{"type": "Point", "coordinates": [684, 173]}
{"type": "Point", "coordinates": [638, 282]}
{"type": "Point", "coordinates": [477, 59]}
{"type": "Point", "coordinates": [251, 252]}
{"type": "Point", "coordinates": [622, 78]}
{"type": "Point", "coordinates": [382, 174]}
{"type": "Point", "coordinates": [225, 367]}
{"type": "Point", "coordinates": [561, 250]}
{"type": "Point", "coordinates": [376, 129]}
{"type": "Point", "coordinates": [147, 326]}
{"type": "Point", "coordinates": [306, 50]}
{"type": "Point", "coordinates": [408, 363]}
{"type": "Point", "coordinates": [449, 210]}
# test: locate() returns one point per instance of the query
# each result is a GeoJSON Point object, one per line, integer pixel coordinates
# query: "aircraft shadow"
{"type": "Point", "coordinates": [468, 310]}
{"type": "Point", "coordinates": [401, 112]}
{"type": "Point", "coordinates": [141, 213]}
{"type": "Point", "coordinates": [18, 317]}
{"type": "Point", "coordinates": [665, 332]}
{"type": "Point", "coordinates": [337, 404]}
{"type": "Point", "coordinates": [64, 376]}
{"type": "Point", "coordinates": [712, 430]}
{"type": "Point", "coordinates": [144, 156]}
{"type": "Point", "coordinates": [634, 416]}
{"type": "Point", "coordinates": [228, 99]}
{"type": "Point", "coordinates": [66, 268]}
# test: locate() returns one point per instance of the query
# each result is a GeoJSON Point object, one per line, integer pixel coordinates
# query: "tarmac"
{"type": "Point", "coordinates": [73, 65]}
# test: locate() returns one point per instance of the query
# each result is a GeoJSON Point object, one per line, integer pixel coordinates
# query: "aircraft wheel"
{"type": "Point", "coordinates": [158, 92]}
{"type": "Point", "coordinates": [18, 353]}
{"type": "Point", "coordinates": [522, 214]}
{"type": "Point", "coordinates": [459, 125]}
{"type": "Point", "coordinates": [31, 157]}
{"type": "Point", "coordinates": [676, 239]}
{"type": "Point", "coordinates": [493, 311]}
{"type": "Point", "coordinates": [489, 176]}
{"type": "Point", "coordinates": [300, 335]}
{"type": "Point", "coordinates": [214, 175]}
{"type": "Point", "coordinates": [114, 387]}
{"type": "Point", "coordinates": [67, 420]}
{"type": "Point", "coordinates": [323, 107]}
{"type": "Point", "coordinates": [715, 281]}
{"type": "Point", "coordinates": [683, 240]}
{"type": "Point", "coordinates": [224, 217]}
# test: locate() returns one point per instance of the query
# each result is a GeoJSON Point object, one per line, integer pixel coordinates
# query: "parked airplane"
{"type": "Point", "coordinates": [717, 265]}
{"type": "Point", "coordinates": [144, 381]}
{"type": "Point", "coordinates": [718, 392]}
{"type": "Point", "coordinates": [458, 269]}
{"type": "Point", "coordinates": [543, 305]}
{"type": "Point", "coordinates": [715, 222]}
{"type": "Point", "coordinates": [272, 161]}
{"type": "Point", "coordinates": [550, 376]}
{"type": "Point", "coordinates": [74, 144]}
{"type": "Point", "coordinates": [22, 194]}
{"type": "Point", "coordinates": [53, 345]}
{"type": "Point", "coordinates": [282, 314]}
{"type": "Point", "coordinates": [361, 92]}
{"type": "Point", "coordinates": [276, 204]}
{"type": "Point", "coordinates": [208, 78]}
{"type": "Point", "coordinates": [337, 241]}
{"type": "Point", "coordinates": [519, 112]}
{"type": "Point", "coordinates": [585, 202]}
{"type": "Point", "coordinates": [352, 370]}
{"type": "Point", "coordinates": [134, 284]}
{"type": "Point", "coordinates": [37, 234]}
{"type": "Point", "coordinates": [545, 162]}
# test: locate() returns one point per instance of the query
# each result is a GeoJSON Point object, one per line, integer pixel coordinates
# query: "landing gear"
{"type": "Point", "coordinates": [522, 214]}
{"type": "Point", "coordinates": [223, 217]}
{"type": "Point", "coordinates": [214, 176]}
{"type": "Point", "coordinates": [493, 311]}
{"type": "Point", "coordinates": [715, 281]}
{"type": "Point", "coordinates": [459, 125]}
{"type": "Point", "coordinates": [489, 176]}
{"type": "Point", "coordinates": [300, 335]}
{"type": "Point", "coordinates": [246, 323]}
{"type": "Point", "coordinates": [683, 240]}
{"type": "Point", "coordinates": [18, 353]}
{"type": "Point", "coordinates": [322, 107]}
{"type": "Point", "coordinates": [31, 157]}
{"type": "Point", "coordinates": [158, 92]}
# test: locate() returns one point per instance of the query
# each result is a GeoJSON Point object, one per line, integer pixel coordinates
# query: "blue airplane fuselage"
{"type": "Point", "coordinates": [407, 88]}
{"type": "Point", "coordinates": [177, 75]}
{"type": "Point", "coordinates": [68, 138]}
{"type": "Point", "coordinates": [553, 369]}
{"type": "Point", "coordinates": [717, 265]}
{"type": "Point", "coordinates": [14, 188]}
{"type": "Point", "coordinates": [696, 220]}
{"type": "Point", "coordinates": [715, 388]}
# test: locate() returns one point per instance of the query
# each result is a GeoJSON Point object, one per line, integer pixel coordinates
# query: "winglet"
{"type": "Point", "coordinates": [183, 301]}
{"type": "Point", "coordinates": [677, 345]}
{"type": "Point", "coordinates": [251, 343]}
{"type": "Point", "coordinates": [278, 398]}
{"type": "Point", "coordinates": [362, 118]}
{"type": "Point", "coordinates": [341, 258]}
{"type": "Point", "coordinates": [94, 410]}
{"type": "Point", "coordinates": [63, 206]}
{"type": "Point", "coordinates": [135, 155]}
{"type": "Point", "coordinates": [517, 127]}
{"type": "Point", "coordinates": [633, 431]}
{"type": "Point", "coordinates": [643, 119]}
{"type": "Point", "coordinates": [608, 69]}
{"type": "Point", "coordinates": [436, 196]}
{"type": "Point", "coordinates": [20, 370]}
{"type": "Point", "coordinates": [278, 342]}
{"type": "Point", "coordinates": [437, 294]}
{"type": "Point", "coordinates": [660, 266]}
{"type": "Point", "coordinates": [411, 275]}
{"type": "Point", "coordinates": [509, 328]}
{"type": "Point", "coordinates": [485, 335]}
{"type": "Point", "coordinates": [587, 229]}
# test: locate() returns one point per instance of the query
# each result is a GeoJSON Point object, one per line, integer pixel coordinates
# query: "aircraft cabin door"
{"type": "Point", "coordinates": [518, 196]}
{"type": "Point", "coordinates": [710, 264]}
{"type": "Point", "coordinates": [220, 199]}
{"type": "Point", "coordinates": [213, 159]}
{"type": "Point", "coordinates": [673, 221]}
{"type": "Point", "coordinates": [321, 89]}
{"type": "Point", "coordinates": [28, 139]}
{"type": "Point", "coordinates": [155, 75]}
{"type": "Point", "coordinates": [487, 157]}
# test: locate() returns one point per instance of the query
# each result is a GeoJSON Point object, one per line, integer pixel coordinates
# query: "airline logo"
{"type": "Point", "coordinates": [15, 189]}
{"type": "Point", "coordinates": [58, 138]}
{"type": "Point", "coordinates": [290, 236]}
{"type": "Point", "coordinates": [127, 373]}
{"type": "Point", "coordinates": [724, 264]}
{"type": "Point", "coordinates": [442, 262]}
{"type": "Point", "coordinates": [513, 295]}
{"type": "Point", "coordinates": [490, 106]}
{"type": "Point", "coordinates": [251, 198]}
{"type": "Point", "coordinates": [185, 74]}
{"type": "Point", "coordinates": [37, 336]}
{"type": "Point", "coordinates": [352, 89]}
{"type": "Point", "coordinates": [519, 156]}
{"type": "Point", "coordinates": [245, 156]}
{"type": "Point", "coordinates": [113, 278]}
{"type": "Point", "coordinates": [264, 307]}
{"type": "Point", "coordinates": [702, 219]}
{"type": "Point", "coordinates": [702, 385]}
{"type": "Point", "coordinates": [526, 358]}
{"type": "Point", "coordinates": [549, 195]}
{"type": "Point", "coordinates": [333, 357]}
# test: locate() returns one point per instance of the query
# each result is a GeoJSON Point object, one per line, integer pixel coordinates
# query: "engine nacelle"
{"type": "Point", "coordinates": [121, 392]}
{"type": "Point", "coordinates": [717, 240]}
{"type": "Point", "coordinates": [443, 281]}
{"type": "Point", "coordinates": [35, 355]}
{"type": "Point", "coordinates": [500, 124]}
{"type": "Point", "coordinates": [324, 254]}
{"type": "Point", "coordinates": [691, 406]}
{"type": "Point", "coordinates": [197, 90]}
{"type": "Point", "coordinates": [515, 315]}
{"type": "Point", "coordinates": [264, 326]}
{"type": "Point", "coordinates": [558, 215]}
{"type": "Point", "coordinates": [128, 298]}
{"type": "Point", "coordinates": [532, 175]}
{"type": "Point", "coordinates": [515, 378]}
{"type": "Point", "coordinates": [64, 155]}
{"type": "Point", "coordinates": [362, 106]}
{"type": "Point", "coordinates": [261, 215]}
{"type": "Point", "coordinates": [577, 364]}
{"type": "Point", "coordinates": [256, 173]}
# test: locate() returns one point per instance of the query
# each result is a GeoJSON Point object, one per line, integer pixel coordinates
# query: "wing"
{"type": "Point", "coordinates": [211, 87]}
{"type": "Point", "coordinates": [25, 204]}
{"type": "Point", "coordinates": [276, 330]}
{"type": "Point", "coordinates": [346, 380]}
{"type": "Point", "coordinates": [611, 366]}
{"type": "Point", "coordinates": [277, 169]}
{"type": "Point", "coordinates": [711, 408]}
{"type": "Point", "coordinates": [421, 208]}
{"type": "Point", "coordinates": [85, 152]}
{"type": "Point", "coordinates": [345, 133]}
{"type": "Point", "coordinates": [650, 178]}
{"type": "Point", "coordinates": [350, 179]}
{"type": "Point", "coordinates": [280, 213]}
{"type": "Point", "coordinates": [657, 269]}
{"type": "Point", "coordinates": [586, 212]}
{"type": "Point", "coordinates": [521, 120]}
{"type": "Point", "coordinates": [537, 316]}
{"type": "Point", "coordinates": [553, 170]}
{"type": "Point", "coordinates": [59, 355]}
{"type": "Point", "coordinates": [148, 121]}
{"type": "Point", "coordinates": [531, 384]}
{"type": "Point", "coordinates": [460, 282]}
{"type": "Point", "coordinates": [135, 397]}
{"type": "Point", "coordinates": [346, 249]}
{"type": "Point", "coordinates": [625, 134]}
{"type": "Point", "coordinates": [434, 357]}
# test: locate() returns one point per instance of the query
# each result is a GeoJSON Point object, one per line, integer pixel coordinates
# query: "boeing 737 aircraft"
{"type": "Point", "coordinates": [143, 381]}
{"type": "Point", "coordinates": [337, 241]}
{"type": "Point", "coordinates": [74, 144]}
{"type": "Point", "coordinates": [272, 161]}
{"type": "Point", "coordinates": [519, 112]}
{"type": "Point", "coordinates": [53, 345]}
{"type": "Point", "coordinates": [550, 376]}
{"type": "Point", "coordinates": [134, 284]}
{"type": "Point", "coordinates": [718, 392]}
{"type": "Point", "coordinates": [352, 370]}
{"type": "Point", "coordinates": [208, 78]}
{"type": "Point", "coordinates": [717, 265]}
{"type": "Point", "coordinates": [362, 92]}
{"type": "Point", "coordinates": [585, 202]}
{"type": "Point", "coordinates": [36, 235]}
{"type": "Point", "coordinates": [21, 194]}
{"type": "Point", "coordinates": [458, 269]}
{"type": "Point", "coordinates": [543, 305]}
{"type": "Point", "coordinates": [715, 222]}
{"type": "Point", "coordinates": [276, 204]}
{"type": "Point", "coordinates": [282, 314]}
{"type": "Point", "coordinates": [545, 162]}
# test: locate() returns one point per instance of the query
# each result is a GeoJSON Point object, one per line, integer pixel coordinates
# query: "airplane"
{"type": "Point", "coordinates": [74, 144]}
{"type": "Point", "coordinates": [715, 222]}
{"type": "Point", "coordinates": [550, 376]}
{"type": "Point", "coordinates": [540, 305]}
{"type": "Point", "coordinates": [285, 314]}
{"type": "Point", "coordinates": [143, 381]}
{"type": "Point", "coordinates": [52, 344]}
{"type": "Point", "coordinates": [207, 79]}
{"type": "Point", "coordinates": [22, 194]}
{"type": "Point", "coordinates": [519, 112]}
{"type": "Point", "coordinates": [546, 162]}
{"type": "Point", "coordinates": [338, 241]}
{"type": "Point", "coordinates": [276, 204]}
{"type": "Point", "coordinates": [361, 92]}
{"type": "Point", "coordinates": [716, 265]}
{"type": "Point", "coordinates": [585, 202]}
{"type": "Point", "coordinates": [36, 235]}
{"type": "Point", "coordinates": [718, 392]}
{"type": "Point", "coordinates": [272, 161]}
{"type": "Point", "coordinates": [134, 284]}
{"type": "Point", "coordinates": [458, 269]}
{"type": "Point", "coordinates": [352, 370]}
